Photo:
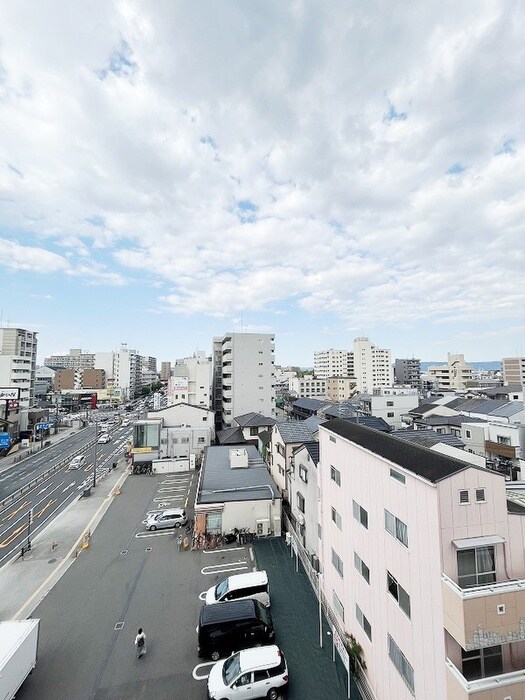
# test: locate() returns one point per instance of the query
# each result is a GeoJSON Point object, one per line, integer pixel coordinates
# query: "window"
{"type": "Point", "coordinates": [200, 440]}
{"type": "Point", "coordinates": [300, 502]}
{"type": "Point", "coordinates": [361, 567]}
{"type": "Point", "coordinates": [480, 496]}
{"type": "Point", "coordinates": [397, 476]}
{"type": "Point", "coordinates": [360, 514]}
{"type": "Point", "coordinates": [503, 439]}
{"type": "Point", "coordinates": [319, 531]}
{"type": "Point", "coordinates": [335, 475]}
{"type": "Point", "coordinates": [205, 418]}
{"type": "Point", "coordinates": [480, 663]}
{"type": "Point", "coordinates": [463, 496]}
{"type": "Point", "coordinates": [398, 593]}
{"type": "Point", "coordinates": [184, 440]}
{"type": "Point", "coordinates": [476, 567]}
{"type": "Point", "coordinates": [468, 433]}
{"type": "Point", "coordinates": [390, 415]}
{"type": "Point", "coordinates": [303, 473]}
{"type": "Point", "coordinates": [338, 563]}
{"type": "Point", "coordinates": [332, 438]}
{"type": "Point", "coordinates": [336, 518]}
{"type": "Point", "coordinates": [396, 528]}
{"type": "Point", "coordinates": [363, 622]}
{"type": "Point", "coordinates": [401, 663]}
{"type": "Point", "coordinates": [338, 606]}
{"type": "Point", "coordinates": [389, 403]}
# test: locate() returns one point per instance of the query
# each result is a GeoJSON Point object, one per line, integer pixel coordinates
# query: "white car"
{"type": "Point", "coordinates": [103, 439]}
{"type": "Point", "coordinates": [251, 673]}
{"type": "Point", "coordinates": [77, 462]}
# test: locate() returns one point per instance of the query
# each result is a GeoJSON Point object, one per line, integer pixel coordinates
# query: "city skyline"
{"type": "Point", "coordinates": [174, 172]}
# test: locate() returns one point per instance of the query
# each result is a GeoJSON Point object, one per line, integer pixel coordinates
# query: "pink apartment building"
{"type": "Point", "coordinates": [422, 559]}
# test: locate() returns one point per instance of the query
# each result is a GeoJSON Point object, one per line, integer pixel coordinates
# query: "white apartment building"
{"type": "Point", "coordinates": [423, 562]}
{"type": "Point", "coordinates": [499, 443]}
{"type": "Point", "coordinates": [123, 371]}
{"type": "Point", "coordinates": [456, 375]}
{"type": "Point", "coordinates": [304, 494]}
{"type": "Point", "coordinates": [332, 363]}
{"type": "Point", "coordinates": [372, 366]}
{"type": "Point", "coordinates": [18, 348]}
{"type": "Point", "coordinates": [191, 376]}
{"type": "Point", "coordinates": [390, 403]}
{"type": "Point", "coordinates": [307, 387]}
{"type": "Point", "coordinates": [243, 376]}
{"type": "Point", "coordinates": [514, 371]}
{"type": "Point", "coordinates": [75, 360]}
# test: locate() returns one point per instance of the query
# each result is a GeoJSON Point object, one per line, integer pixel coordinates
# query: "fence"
{"type": "Point", "coordinates": [313, 576]}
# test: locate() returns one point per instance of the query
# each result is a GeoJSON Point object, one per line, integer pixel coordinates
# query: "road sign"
{"type": "Point", "coordinates": [5, 440]}
{"type": "Point", "coordinates": [42, 426]}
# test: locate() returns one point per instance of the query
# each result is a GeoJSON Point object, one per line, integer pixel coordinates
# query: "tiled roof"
{"type": "Point", "coordinates": [230, 436]}
{"type": "Point", "coordinates": [423, 461]}
{"type": "Point", "coordinates": [509, 409]}
{"type": "Point", "coordinates": [423, 408]}
{"type": "Point", "coordinates": [428, 438]}
{"type": "Point", "coordinates": [294, 431]}
{"type": "Point", "coordinates": [310, 404]}
{"type": "Point", "coordinates": [253, 420]}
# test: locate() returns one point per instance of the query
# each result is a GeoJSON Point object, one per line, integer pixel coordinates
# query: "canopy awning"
{"type": "Point", "coordinates": [483, 541]}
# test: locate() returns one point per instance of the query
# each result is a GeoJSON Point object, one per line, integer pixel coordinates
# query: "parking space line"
{"type": "Point", "coordinates": [156, 533]}
{"type": "Point", "coordinates": [195, 673]}
{"type": "Point", "coordinates": [224, 568]}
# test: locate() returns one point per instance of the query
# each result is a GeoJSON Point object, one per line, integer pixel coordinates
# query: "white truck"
{"type": "Point", "coordinates": [18, 651]}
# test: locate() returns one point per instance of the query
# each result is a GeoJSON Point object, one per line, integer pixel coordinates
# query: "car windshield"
{"type": "Point", "coordinates": [263, 614]}
{"type": "Point", "coordinates": [221, 589]}
{"type": "Point", "coordinates": [231, 669]}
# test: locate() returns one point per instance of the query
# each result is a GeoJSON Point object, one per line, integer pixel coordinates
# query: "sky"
{"type": "Point", "coordinates": [174, 171]}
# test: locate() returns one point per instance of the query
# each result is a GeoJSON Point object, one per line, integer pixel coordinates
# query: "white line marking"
{"type": "Point", "coordinates": [195, 673]}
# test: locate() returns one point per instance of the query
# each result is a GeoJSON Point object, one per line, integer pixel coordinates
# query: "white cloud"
{"type": "Point", "coordinates": [132, 131]}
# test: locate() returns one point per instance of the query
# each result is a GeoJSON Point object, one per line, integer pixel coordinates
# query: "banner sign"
{"type": "Point", "coordinates": [8, 393]}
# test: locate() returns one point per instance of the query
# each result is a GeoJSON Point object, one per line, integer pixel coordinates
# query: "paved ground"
{"type": "Point", "coordinates": [313, 674]}
{"type": "Point", "coordinates": [91, 605]}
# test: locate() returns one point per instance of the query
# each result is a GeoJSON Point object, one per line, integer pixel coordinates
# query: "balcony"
{"type": "Point", "coordinates": [502, 685]}
{"type": "Point", "coordinates": [500, 449]}
{"type": "Point", "coordinates": [484, 616]}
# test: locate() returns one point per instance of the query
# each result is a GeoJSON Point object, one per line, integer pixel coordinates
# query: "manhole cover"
{"type": "Point", "coordinates": [148, 549]}
{"type": "Point", "coordinates": [119, 625]}
{"type": "Point", "coordinates": [51, 561]}
{"type": "Point", "coordinates": [124, 551]}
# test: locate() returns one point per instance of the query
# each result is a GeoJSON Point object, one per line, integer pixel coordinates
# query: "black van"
{"type": "Point", "coordinates": [228, 627]}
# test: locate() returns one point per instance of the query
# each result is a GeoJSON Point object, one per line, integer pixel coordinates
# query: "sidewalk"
{"type": "Point", "coordinates": [25, 581]}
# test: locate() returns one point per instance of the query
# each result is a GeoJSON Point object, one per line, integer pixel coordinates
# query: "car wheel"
{"type": "Point", "coordinates": [153, 527]}
{"type": "Point", "coordinates": [215, 656]}
{"type": "Point", "coordinates": [177, 524]}
{"type": "Point", "coordinates": [273, 694]}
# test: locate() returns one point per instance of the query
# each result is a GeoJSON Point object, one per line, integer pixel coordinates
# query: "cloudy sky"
{"type": "Point", "coordinates": [172, 171]}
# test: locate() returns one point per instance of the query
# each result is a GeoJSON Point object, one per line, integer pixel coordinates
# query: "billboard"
{"type": "Point", "coordinates": [5, 440]}
{"type": "Point", "coordinates": [9, 393]}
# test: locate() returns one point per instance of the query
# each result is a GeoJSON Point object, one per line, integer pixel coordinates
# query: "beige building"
{"type": "Point", "coordinates": [456, 375]}
{"type": "Point", "coordinates": [18, 348]}
{"type": "Point", "coordinates": [66, 379]}
{"type": "Point", "coordinates": [514, 371]}
{"type": "Point", "coordinates": [340, 388]}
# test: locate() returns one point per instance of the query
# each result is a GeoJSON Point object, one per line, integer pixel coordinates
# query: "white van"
{"type": "Point", "coordinates": [252, 585]}
{"type": "Point", "coordinates": [77, 462]}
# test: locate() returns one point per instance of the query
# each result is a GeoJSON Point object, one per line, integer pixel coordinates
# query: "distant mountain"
{"type": "Point", "coordinates": [488, 366]}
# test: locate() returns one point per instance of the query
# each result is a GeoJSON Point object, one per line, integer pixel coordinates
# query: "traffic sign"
{"type": "Point", "coordinates": [42, 426]}
{"type": "Point", "coordinates": [5, 440]}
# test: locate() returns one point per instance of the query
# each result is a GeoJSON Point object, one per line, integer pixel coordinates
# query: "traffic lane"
{"type": "Point", "coordinates": [137, 582]}
{"type": "Point", "coordinates": [20, 474]}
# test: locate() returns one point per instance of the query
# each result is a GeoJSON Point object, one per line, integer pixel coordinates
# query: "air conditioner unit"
{"type": "Point", "coordinates": [300, 519]}
{"type": "Point", "coordinates": [315, 563]}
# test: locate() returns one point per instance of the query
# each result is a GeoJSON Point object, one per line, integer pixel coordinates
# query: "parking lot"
{"type": "Point", "coordinates": [131, 578]}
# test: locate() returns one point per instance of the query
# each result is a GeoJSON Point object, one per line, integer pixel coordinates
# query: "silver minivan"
{"type": "Point", "coordinates": [174, 517]}
{"type": "Point", "coordinates": [239, 587]}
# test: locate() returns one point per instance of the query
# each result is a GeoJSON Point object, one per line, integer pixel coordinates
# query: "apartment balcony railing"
{"type": "Point", "coordinates": [504, 685]}
{"type": "Point", "coordinates": [484, 616]}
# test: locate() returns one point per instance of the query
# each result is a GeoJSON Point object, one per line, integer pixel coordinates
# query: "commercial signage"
{"type": "Point", "coordinates": [42, 426]}
{"type": "Point", "coordinates": [5, 440]}
{"type": "Point", "coordinates": [140, 450]}
{"type": "Point", "coordinates": [9, 393]}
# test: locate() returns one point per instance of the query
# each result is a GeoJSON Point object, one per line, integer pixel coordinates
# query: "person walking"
{"type": "Point", "coordinates": [140, 643]}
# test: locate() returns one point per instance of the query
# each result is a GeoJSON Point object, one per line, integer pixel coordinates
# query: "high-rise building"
{"type": "Point", "coordinates": [514, 371]}
{"type": "Point", "coordinates": [165, 371]}
{"type": "Point", "coordinates": [408, 372]}
{"type": "Point", "coordinates": [75, 360]}
{"type": "Point", "coordinates": [372, 366]}
{"type": "Point", "coordinates": [18, 349]}
{"type": "Point", "coordinates": [456, 375]}
{"type": "Point", "coordinates": [66, 379]}
{"type": "Point", "coordinates": [243, 376]}
{"type": "Point", "coordinates": [332, 363]}
{"type": "Point", "coordinates": [422, 563]}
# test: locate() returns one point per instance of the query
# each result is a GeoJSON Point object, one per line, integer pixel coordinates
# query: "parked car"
{"type": "Point", "coordinates": [251, 585]}
{"type": "Point", "coordinates": [232, 626]}
{"type": "Point", "coordinates": [174, 517]}
{"type": "Point", "coordinates": [77, 462]}
{"type": "Point", "coordinates": [251, 673]}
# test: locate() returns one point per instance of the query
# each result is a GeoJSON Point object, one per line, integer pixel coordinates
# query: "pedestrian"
{"type": "Point", "coordinates": [179, 542]}
{"type": "Point", "coordinates": [140, 643]}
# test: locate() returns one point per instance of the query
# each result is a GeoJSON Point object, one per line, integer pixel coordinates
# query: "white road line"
{"type": "Point", "coordinates": [155, 533]}
{"type": "Point", "coordinates": [195, 672]}
{"type": "Point", "coordinates": [224, 568]}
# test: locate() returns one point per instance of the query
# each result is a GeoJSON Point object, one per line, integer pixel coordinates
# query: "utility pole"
{"type": "Point", "coordinates": [95, 456]}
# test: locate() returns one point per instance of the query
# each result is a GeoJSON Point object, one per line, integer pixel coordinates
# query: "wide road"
{"type": "Point", "coordinates": [38, 488]}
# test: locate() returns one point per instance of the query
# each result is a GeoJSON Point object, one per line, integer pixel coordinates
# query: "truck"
{"type": "Point", "coordinates": [18, 652]}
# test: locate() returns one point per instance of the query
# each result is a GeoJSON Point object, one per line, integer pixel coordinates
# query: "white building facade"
{"type": "Point", "coordinates": [372, 366]}
{"type": "Point", "coordinates": [18, 349]}
{"type": "Point", "coordinates": [243, 376]}
{"type": "Point", "coordinates": [192, 376]}
{"type": "Point", "coordinates": [307, 387]}
{"type": "Point", "coordinates": [391, 404]}
{"type": "Point", "coordinates": [332, 363]}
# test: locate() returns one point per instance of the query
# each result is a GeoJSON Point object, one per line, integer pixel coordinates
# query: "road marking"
{"type": "Point", "coordinates": [195, 672]}
{"type": "Point", "coordinates": [167, 498]}
{"type": "Point", "coordinates": [71, 485]}
{"type": "Point", "coordinates": [154, 533]}
{"type": "Point", "coordinates": [219, 568]}
{"type": "Point", "coordinates": [44, 489]}
{"type": "Point", "coordinates": [171, 488]}
{"type": "Point", "coordinates": [15, 512]}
